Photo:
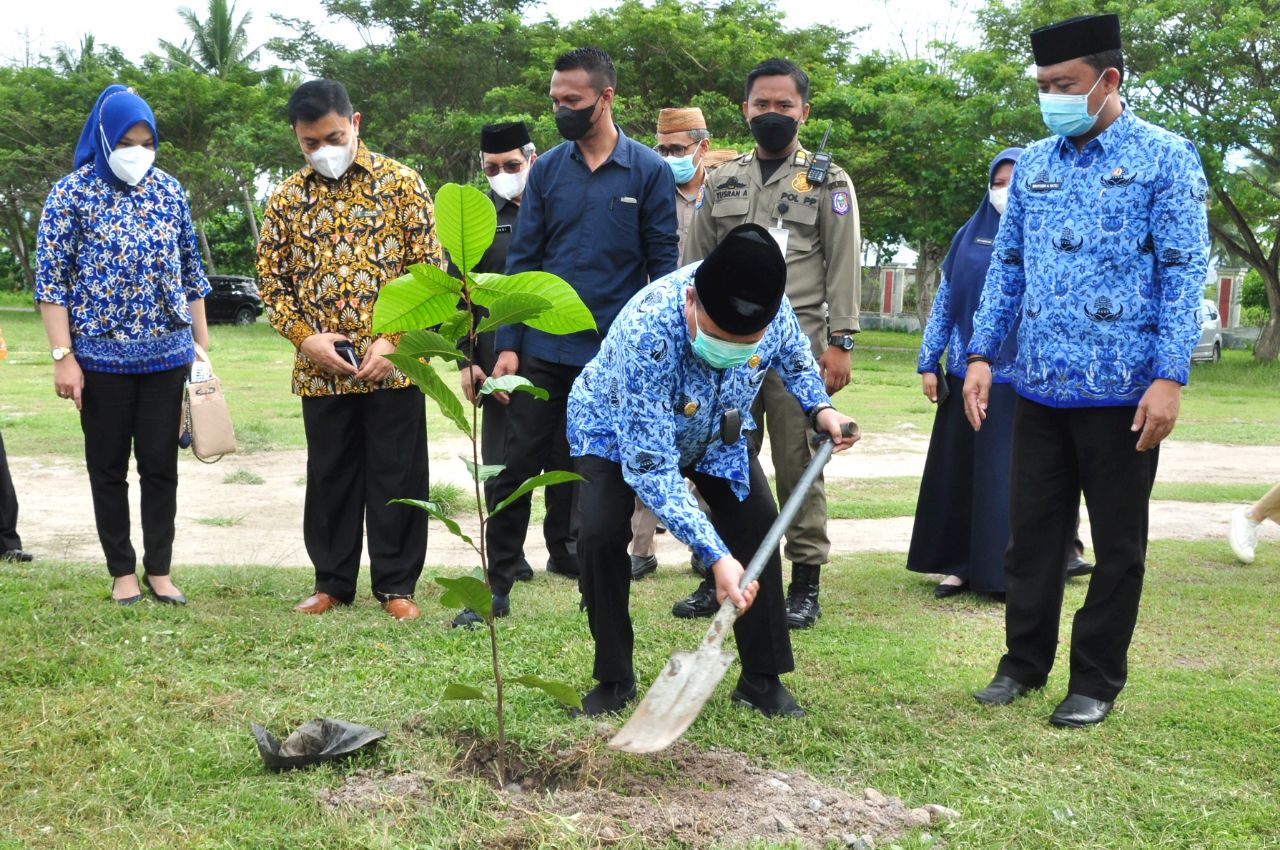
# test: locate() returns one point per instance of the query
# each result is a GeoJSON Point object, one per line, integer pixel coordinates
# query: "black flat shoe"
{"type": "Point", "coordinates": [767, 695]}
{"type": "Point", "coordinates": [701, 603]}
{"type": "Point", "coordinates": [17, 556]}
{"type": "Point", "coordinates": [946, 591]}
{"type": "Point", "coordinates": [1002, 691]}
{"type": "Point", "coordinates": [642, 565]}
{"type": "Point", "coordinates": [1078, 711]}
{"type": "Point", "coordinates": [126, 601]}
{"type": "Point", "coordinates": [605, 698]}
{"type": "Point", "coordinates": [167, 600]}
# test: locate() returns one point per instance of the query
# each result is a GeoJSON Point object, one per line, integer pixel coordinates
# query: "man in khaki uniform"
{"type": "Point", "coordinates": [818, 230]}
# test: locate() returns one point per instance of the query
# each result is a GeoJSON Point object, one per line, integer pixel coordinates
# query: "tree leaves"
{"type": "Point", "coordinates": [424, 297]}
{"type": "Point", "coordinates": [434, 509]}
{"type": "Point", "coordinates": [432, 386]}
{"type": "Point", "coordinates": [484, 471]}
{"type": "Point", "coordinates": [459, 691]}
{"type": "Point", "coordinates": [559, 691]}
{"type": "Point", "coordinates": [426, 344]}
{"type": "Point", "coordinates": [466, 592]}
{"type": "Point", "coordinates": [465, 223]}
{"type": "Point", "coordinates": [512, 308]}
{"type": "Point", "coordinates": [546, 479]}
{"type": "Point", "coordinates": [512, 383]}
{"type": "Point", "coordinates": [567, 313]}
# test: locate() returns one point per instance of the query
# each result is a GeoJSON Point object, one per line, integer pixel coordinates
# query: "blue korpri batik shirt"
{"type": "Point", "coordinates": [1105, 252]}
{"type": "Point", "coordinates": [648, 403]}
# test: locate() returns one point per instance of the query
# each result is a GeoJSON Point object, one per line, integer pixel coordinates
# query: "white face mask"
{"type": "Point", "coordinates": [508, 186]}
{"type": "Point", "coordinates": [332, 160]}
{"type": "Point", "coordinates": [999, 198]}
{"type": "Point", "coordinates": [131, 164]}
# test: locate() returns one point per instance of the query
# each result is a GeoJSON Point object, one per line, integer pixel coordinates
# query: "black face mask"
{"type": "Point", "coordinates": [774, 131]}
{"type": "Point", "coordinates": [573, 124]}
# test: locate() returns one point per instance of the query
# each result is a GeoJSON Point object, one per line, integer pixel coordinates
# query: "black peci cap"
{"type": "Point", "coordinates": [507, 136]}
{"type": "Point", "coordinates": [1074, 38]}
{"type": "Point", "coordinates": [741, 282]}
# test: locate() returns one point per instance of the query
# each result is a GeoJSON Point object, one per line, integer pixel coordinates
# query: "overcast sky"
{"type": "Point", "coordinates": [38, 26]}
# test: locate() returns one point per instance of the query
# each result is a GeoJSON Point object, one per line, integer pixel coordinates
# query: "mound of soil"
{"type": "Point", "coordinates": [702, 798]}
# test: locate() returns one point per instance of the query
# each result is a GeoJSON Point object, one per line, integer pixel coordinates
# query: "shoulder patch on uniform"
{"type": "Point", "coordinates": [702, 192]}
{"type": "Point", "coordinates": [840, 203]}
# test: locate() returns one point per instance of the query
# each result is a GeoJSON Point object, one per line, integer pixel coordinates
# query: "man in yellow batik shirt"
{"type": "Point", "coordinates": [333, 234]}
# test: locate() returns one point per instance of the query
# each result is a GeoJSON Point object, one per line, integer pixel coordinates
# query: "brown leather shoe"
{"type": "Point", "coordinates": [317, 603]}
{"type": "Point", "coordinates": [401, 609]}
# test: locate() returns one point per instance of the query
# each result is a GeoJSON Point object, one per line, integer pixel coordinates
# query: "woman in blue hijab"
{"type": "Point", "coordinates": [121, 290]}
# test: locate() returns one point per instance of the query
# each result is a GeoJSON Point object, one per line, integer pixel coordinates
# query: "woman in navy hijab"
{"type": "Point", "coordinates": [962, 514]}
{"type": "Point", "coordinates": [121, 290]}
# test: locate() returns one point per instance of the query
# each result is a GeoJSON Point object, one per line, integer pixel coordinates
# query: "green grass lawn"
{"type": "Point", "coordinates": [129, 727]}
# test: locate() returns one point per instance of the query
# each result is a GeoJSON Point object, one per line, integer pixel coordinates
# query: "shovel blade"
{"type": "Point", "coordinates": [674, 701]}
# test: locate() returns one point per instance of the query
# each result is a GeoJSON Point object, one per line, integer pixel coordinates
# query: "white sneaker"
{"type": "Point", "coordinates": [1244, 535]}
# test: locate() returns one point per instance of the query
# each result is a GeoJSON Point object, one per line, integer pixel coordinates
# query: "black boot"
{"type": "Point", "coordinates": [802, 596]}
{"type": "Point", "coordinates": [606, 698]}
{"type": "Point", "coordinates": [766, 694]}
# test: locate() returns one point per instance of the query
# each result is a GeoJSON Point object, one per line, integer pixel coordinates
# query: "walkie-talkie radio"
{"type": "Point", "coordinates": [817, 174]}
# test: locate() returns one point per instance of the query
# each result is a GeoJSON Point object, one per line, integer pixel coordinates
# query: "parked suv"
{"type": "Point", "coordinates": [1209, 349]}
{"type": "Point", "coordinates": [232, 299]}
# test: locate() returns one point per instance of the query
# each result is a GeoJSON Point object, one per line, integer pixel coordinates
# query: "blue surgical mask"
{"type": "Point", "coordinates": [720, 353]}
{"type": "Point", "coordinates": [1068, 114]}
{"type": "Point", "coordinates": [682, 167]}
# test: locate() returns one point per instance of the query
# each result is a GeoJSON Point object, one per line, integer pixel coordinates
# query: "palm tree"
{"type": "Point", "coordinates": [218, 45]}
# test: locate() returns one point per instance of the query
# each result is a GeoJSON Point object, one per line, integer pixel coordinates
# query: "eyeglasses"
{"type": "Point", "coordinates": [511, 166]}
{"type": "Point", "coordinates": [676, 150]}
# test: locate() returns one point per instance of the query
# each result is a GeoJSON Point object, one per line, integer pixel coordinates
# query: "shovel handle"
{"type": "Point", "coordinates": [728, 611]}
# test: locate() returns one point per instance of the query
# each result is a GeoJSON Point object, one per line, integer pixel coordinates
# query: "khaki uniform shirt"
{"type": "Point", "coordinates": [824, 254]}
{"type": "Point", "coordinates": [686, 206]}
{"type": "Point", "coordinates": [326, 248]}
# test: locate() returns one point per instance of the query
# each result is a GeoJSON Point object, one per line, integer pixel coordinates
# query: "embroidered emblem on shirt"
{"type": "Point", "coordinates": [1101, 311]}
{"type": "Point", "coordinates": [1068, 243]}
{"type": "Point", "coordinates": [702, 190]}
{"type": "Point", "coordinates": [1119, 177]}
{"type": "Point", "coordinates": [840, 203]}
{"type": "Point", "coordinates": [801, 182]}
{"type": "Point", "coordinates": [732, 183]}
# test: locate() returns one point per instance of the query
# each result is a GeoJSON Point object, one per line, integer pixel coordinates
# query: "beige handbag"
{"type": "Point", "coordinates": [205, 416]}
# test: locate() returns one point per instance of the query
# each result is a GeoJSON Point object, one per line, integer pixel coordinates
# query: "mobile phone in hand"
{"type": "Point", "coordinates": [347, 352]}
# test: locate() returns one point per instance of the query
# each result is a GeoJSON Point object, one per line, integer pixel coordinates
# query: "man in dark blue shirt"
{"type": "Point", "coordinates": [598, 211]}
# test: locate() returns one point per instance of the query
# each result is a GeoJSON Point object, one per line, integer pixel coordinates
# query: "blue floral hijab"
{"type": "Point", "coordinates": [117, 109]}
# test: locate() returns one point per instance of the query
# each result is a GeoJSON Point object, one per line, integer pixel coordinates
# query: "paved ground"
{"type": "Point", "coordinates": [262, 524]}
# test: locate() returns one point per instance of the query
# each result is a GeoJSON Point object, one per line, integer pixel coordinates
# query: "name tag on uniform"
{"type": "Point", "coordinates": [780, 235]}
{"type": "Point", "coordinates": [1044, 186]}
{"type": "Point", "coordinates": [981, 241]}
{"type": "Point", "coordinates": [627, 199]}
{"type": "Point", "coordinates": [502, 228]}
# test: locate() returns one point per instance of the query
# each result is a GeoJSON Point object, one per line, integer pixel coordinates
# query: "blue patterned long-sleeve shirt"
{"type": "Point", "coordinates": [942, 336]}
{"type": "Point", "coordinates": [648, 403]}
{"type": "Point", "coordinates": [1104, 251]}
{"type": "Point", "coordinates": [124, 263]}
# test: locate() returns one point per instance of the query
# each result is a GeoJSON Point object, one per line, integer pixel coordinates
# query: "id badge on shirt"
{"type": "Point", "coordinates": [780, 235]}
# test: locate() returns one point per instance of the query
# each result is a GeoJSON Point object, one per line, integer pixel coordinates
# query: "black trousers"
{"type": "Point", "coordinates": [556, 525]}
{"type": "Point", "coordinates": [764, 644]}
{"type": "Point", "coordinates": [535, 442]}
{"type": "Point", "coordinates": [364, 449]}
{"type": "Point", "coordinates": [1057, 454]}
{"type": "Point", "coordinates": [119, 413]}
{"type": "Point", "coordinates": [9, 539]}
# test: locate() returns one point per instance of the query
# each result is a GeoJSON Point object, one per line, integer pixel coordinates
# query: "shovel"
{"type": "Point", "coordinates": [687, 682]}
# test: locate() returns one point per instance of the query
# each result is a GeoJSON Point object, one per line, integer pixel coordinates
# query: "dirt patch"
{"type": "Point", "coordinates": [702, 798]}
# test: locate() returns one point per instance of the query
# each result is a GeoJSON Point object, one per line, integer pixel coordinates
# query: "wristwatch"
{"type": "Point", "coordinates": [59, 353]}
{"type": "Point", "coordinates": [844, 341]}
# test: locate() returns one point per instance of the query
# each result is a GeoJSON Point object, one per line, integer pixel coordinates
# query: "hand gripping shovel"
{"type": "Point", "coordinates": [687, 682]}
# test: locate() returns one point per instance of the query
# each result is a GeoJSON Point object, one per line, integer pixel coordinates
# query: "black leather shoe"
{"type": "Point", "coordinates": [1078, 566]}
{"type": "Point", "coordinates": [468, 619]}
{"type": "Point", "coordinates": [699, 567]}
{"type": "Point", "coordinates": [802, 607]}
{"type": "Point", "coordinates": [641, 566]}
{"type": "Point", "coordinates": [1002, 691]}
{"type": "Point", "coordinates": [16, 556]}
{"type": "Point", "coordinates": [524, 572]}
{"type": "Point", "coordinates": [167, 600]}
{"type": "Point", "coordinates": [767, 695]}
{"type": "Point", "coordinates": [605, 698]}
{"type": "Point", "coordinates": [1078, 711]}
{"type": "Point", "coordinates": [946, 591]}
{"type": "Point", "coordinates": [501, 605]}
{"type": "Point", "coordinates": [701, 603]}
{"type": "Point", "coordinates": [568, 569]}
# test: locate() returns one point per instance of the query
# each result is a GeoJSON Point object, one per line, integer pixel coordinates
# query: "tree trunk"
{"type": "Point", "coordinates": [18, 242]}
{"type": "Point", "coordinates": [1268, 347]}
{"type": "Point", "coordinates": [925, 270]}
{"type": "Point", "coordinates": [204, 249]}
{"type": "Point", "coordinates": [250, 213]}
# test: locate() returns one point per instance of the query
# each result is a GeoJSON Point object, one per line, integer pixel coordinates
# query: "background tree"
{"type": "Point", "coordinates": [219, 45]}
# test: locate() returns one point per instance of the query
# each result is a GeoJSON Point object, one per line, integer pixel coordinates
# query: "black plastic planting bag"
{"type": "Point", "coordinates": [313, 742]}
